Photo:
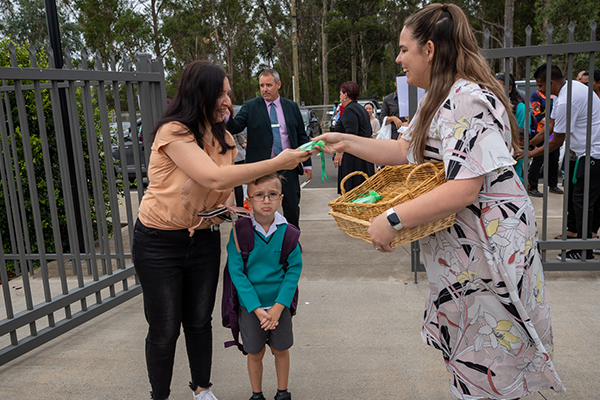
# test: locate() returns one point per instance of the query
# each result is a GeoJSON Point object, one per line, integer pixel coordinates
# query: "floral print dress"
{"type": "Point", "coordinates": [487, 309]}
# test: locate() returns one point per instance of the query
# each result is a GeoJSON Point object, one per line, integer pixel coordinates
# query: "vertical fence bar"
{"type": "Point", "coordinates": [22, 231]}
{"type": "Point", "coordinates": [124, 163]}
{"type": "Point", "coordinates": [114, 202]}
{"type": "Point", "coordinates": [64, 172]}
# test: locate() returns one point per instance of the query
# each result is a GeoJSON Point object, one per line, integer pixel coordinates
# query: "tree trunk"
{"type": "Point", "coordinates": [509, 10]}
{"type": "Point", "coordinates": [214, 15]}
{"type": "Point", "coordinates": [353, 53]}
{"type": "Point", "coordinates": [364, 64]}
{"type": "Point", "coordinates": [324, 56]}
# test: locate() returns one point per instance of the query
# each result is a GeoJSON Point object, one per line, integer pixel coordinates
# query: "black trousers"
{"type": "Point", "coordinates": [291, 196]}
{"type": "Point", "coordinates": [535, 170]}
{"type": "Point", "coordinates": [179, 276]}
{"type": "Point", "coordinates": [578, 195]}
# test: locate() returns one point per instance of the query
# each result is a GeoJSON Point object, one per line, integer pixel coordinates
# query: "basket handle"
{"type": "Point", "coordinates": [431, 166]}
{"type": "Point", "coordinates": [350, 175]}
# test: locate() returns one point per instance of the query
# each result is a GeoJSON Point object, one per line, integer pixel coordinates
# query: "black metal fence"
{"type": "Point", "coordinates": [66, 192]}
{"type": "Point", "coordinates": [548, 52]}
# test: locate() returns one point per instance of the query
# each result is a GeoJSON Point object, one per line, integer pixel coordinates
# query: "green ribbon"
{"type": "Point", "coordinates": [371, 197]}
{"type": "Point", "coordinates": [574, 180]}
{"type": "Point", "coordinates": [311, 146]}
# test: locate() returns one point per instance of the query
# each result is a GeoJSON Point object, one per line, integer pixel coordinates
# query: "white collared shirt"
{"type": "Point", "coordinates": [279, 220]}
{"type": "Point", "coordinates": [579, 110]}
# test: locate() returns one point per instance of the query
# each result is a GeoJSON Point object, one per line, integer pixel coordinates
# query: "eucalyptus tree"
{"type": "Point", "coordinates": [24, 21]}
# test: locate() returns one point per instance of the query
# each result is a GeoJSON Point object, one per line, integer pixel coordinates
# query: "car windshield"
{"type": "Point", "coordinates": [304, 115]}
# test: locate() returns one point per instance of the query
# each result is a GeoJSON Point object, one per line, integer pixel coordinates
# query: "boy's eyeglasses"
{"type": "Point", "coordinates": [261, 197]}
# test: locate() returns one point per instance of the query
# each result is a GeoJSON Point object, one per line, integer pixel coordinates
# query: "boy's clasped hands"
{"type": "Point", "coordinates": [269, 319]}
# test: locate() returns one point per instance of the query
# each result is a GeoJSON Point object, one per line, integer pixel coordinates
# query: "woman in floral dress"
{"type": "Point", "coordinates": [487, 309]}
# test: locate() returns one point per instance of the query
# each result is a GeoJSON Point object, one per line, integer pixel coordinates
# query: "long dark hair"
{"type": "Point", "coordinates": [513, 95]}
{"type": "Point", "coordinates": [456, 54]}
{"type": "Point", "coordinates": [194, 105]}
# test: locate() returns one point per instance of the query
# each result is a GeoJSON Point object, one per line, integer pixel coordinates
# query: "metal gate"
{"type": "Point", "coordinates": [67, 203]}
{"type": "Point", "coordinates": [548, 51]}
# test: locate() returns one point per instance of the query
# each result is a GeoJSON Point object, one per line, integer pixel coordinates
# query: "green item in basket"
{"type": "Point", "coordinates": [310, 146]}
{"type": "Point", "coordinates": [371, 197]}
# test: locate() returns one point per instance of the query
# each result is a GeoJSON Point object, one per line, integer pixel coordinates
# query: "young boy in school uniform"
{"type": "Point", "coordinates": [266, 292]}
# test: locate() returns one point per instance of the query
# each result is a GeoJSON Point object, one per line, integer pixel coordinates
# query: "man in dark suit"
{"type": "Point", "coordinates": [274, 124]}
{"type": "Point", "coordinates": [391, 110]}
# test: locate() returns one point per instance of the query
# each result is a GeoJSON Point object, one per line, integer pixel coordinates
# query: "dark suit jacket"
{"type": "Point", "coordinates": [253, 115]}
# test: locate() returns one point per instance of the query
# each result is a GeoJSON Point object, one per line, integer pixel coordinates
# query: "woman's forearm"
{"type": "Point", "coordinates": [381, 152]}
{"type": "Point", "coordinates": [440, 202]}
{"type": "Point", "coordinates": [202, 169]}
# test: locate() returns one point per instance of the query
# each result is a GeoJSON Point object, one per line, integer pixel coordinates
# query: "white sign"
{"type": "Point", "coordinates": [403, 98]}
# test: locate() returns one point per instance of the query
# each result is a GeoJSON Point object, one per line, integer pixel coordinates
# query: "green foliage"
{"type": "Point", "coordinates": [35, 142]}
{"type": "Point", "coordinates": [28, 25]}
{"type": "Point", "coordinates": [560, 13]}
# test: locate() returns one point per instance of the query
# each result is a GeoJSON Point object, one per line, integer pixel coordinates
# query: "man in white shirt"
{"type": "Point", "coordinates": [559, 87]}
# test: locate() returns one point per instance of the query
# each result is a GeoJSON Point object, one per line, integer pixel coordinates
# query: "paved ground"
{"type": "Point", "coordinates": [357, 334]}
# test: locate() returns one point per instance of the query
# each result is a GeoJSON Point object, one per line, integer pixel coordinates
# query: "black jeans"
{"type": "Point", "coordinates": [179, 276]}
{"type": "Point", "coordinates": [594, 194]}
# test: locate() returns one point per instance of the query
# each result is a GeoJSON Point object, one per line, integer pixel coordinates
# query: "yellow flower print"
{"type": "Point", "coordinates": [492, 228]}
{"type": "Point", "coordinates": [537, 290]}
{"type": "Point", "coordinates": [461, 126]}
{"type": "Point", "coordinates": [528, 244]}
{"type": "Point", "coordinates": [466, 276]}
{"type": "Point", "coordinates": [501, 331]}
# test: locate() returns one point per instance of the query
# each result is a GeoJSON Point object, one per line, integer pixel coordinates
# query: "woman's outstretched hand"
{"type": "Point", "coordinates": [290, 158]}
{"type": "Point", "coordinates": [334, 142]}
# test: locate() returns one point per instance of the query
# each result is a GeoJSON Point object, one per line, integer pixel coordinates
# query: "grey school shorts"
{"type": "Point", "coordinates": [254, 337]}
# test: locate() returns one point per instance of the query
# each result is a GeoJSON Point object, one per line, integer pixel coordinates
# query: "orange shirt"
{"type": "Point", "coordinates": [173, 200]}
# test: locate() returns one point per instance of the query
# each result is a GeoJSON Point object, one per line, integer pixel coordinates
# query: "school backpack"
{"type": "Point", "coordinates": [244, 236]}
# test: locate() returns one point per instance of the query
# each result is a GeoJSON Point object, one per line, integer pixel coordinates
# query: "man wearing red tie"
{"type": "Point", "coordinates": [274, 124]}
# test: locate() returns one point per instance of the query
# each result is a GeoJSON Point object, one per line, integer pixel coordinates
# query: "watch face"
{"type": "Point", "coordinates": [393, 219]}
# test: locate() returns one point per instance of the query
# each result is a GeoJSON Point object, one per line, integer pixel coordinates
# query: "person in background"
{"type": "Point", "coordinates": [176, 252]}
{"type": "Point", "coordinates": [390, 113]}
{"type": "Point", "coordinates": [354, 121]}
{"type": "Point", "coordinates": [487, 309]}
{"type": "Point", "coordinates": [518, 104]}
{"type": "Point", "coordinates": [240, 145]}
{"type": "Point", "coordinates": [374, 121]}
{"type": "Point", "coordinates": [539, 104]}
{"type": "Point", "coordinates": [578, 143]}
{"type": "Point", "coordinates": [585, 79]}
{"type": "Point", "coordinates": [274, 124]}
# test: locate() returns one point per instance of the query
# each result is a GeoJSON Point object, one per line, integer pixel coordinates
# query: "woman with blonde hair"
{"type": "Point", "coordinates": [487, 309]}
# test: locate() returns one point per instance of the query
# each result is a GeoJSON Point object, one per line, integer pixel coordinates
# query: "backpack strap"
{"type": "Point", "coordinates": [243, 236]}
{"type": "Point", "coordinates": [244, 239]}
{"type": "Point", "coordinates": [290, 240]}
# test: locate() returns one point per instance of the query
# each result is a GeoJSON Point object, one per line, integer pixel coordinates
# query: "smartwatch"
{"type": "Point", "coordinates": [394, 219]}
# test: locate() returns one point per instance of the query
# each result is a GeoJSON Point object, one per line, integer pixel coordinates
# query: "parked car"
{"type": "Point", "coordinates": [129, 157]}
{"type": "Point", "coordinates": [312, 124]}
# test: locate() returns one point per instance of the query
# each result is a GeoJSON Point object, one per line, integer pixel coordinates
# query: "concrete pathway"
{"type": "Point", "coordinates": [357, 335]}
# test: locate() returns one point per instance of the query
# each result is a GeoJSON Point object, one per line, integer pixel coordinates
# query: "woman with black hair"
{"type": "Point", "coordinates": [175, 251]}
{"type": "Point", "coordinates": [354, 121]}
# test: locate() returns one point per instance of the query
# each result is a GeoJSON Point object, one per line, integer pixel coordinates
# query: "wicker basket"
{"type": "Point", "coordinates": [396, 185]}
